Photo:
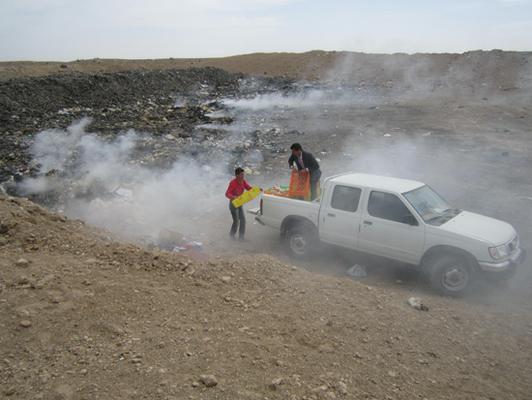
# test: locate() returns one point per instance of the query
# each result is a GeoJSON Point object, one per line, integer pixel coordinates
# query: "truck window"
{"type": "Point", "coordinates": [345, 198]}
{"type": "Point", "coordinates": [387, 206]}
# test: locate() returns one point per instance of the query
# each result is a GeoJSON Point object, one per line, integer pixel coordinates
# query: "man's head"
{"type": "Point", "coordinates": [297, 150]}
{"type": "Point", "coordinates": [239, 173]}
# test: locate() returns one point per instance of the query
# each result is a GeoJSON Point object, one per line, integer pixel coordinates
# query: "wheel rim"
{"type": "Point", "coordinates": [298, 244]}
{"type": "Point", "coordinates": [455, 277]}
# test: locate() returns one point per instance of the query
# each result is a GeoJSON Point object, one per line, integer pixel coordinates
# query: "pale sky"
{"type": "Point", "coordinates": [66, 30]}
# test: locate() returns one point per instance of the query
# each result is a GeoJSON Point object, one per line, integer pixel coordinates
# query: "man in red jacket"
{"type": "Point", "coordinates": [235, 189]}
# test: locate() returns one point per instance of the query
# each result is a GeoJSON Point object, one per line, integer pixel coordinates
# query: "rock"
{"type": "Point", "coordinates": [208, 380]}
{"type": "Point", "coordinates": [276, 383]}
{"type": "Point", "coordinates": [415, 302]}
{"type": "Point", "coordinates": [22, 262]}
{"type": "Point", "coordinates": [4, 229]}
{"type": "Point", "coordinates": [226, 279]}
{"type": "Point", "coordinates": [341, 387]}
{"type": "Point", "coordinates": [23, 280]}
{"type": "Point", "coordinates": [25, 323]}
{"type": "Point", "coordinates": [195, 384]}
{"type": "Point", "coordinates": [10, 391]}
{"type": "Point", "coordinates": [137, 359]}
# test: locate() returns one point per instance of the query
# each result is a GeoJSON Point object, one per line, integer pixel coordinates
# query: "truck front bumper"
{"type": "Point", "coordinates": [517, 258]}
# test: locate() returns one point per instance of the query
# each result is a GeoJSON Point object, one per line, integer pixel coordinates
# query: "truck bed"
{"type": "Point", "coordinates": [276, 208]}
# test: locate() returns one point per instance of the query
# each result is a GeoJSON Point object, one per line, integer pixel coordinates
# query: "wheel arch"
{"type": "Point", "coordinates": [441, 250]}
{"type": "Point", "coordinates": [295, 220]}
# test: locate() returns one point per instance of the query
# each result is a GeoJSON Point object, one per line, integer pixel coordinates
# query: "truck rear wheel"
{"type": "Point", "coordinates": [299, 242]}
{"type": "Point", "coordinates": [450, 275]}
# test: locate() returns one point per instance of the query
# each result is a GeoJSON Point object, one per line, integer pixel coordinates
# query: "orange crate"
{"type": "Point", "coordinates": [299, 184]}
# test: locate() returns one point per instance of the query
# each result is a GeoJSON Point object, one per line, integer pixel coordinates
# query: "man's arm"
{"type": "Point", "coordinates": [229, 191]}
{"type": "Point", "coordinates": [291, 160]}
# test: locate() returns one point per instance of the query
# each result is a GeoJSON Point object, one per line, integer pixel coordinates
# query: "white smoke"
{"type": "Point", "coordinates": [100, 181]}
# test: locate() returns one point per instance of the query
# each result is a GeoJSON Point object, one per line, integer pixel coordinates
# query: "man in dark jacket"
{"type": "Point", "coordinates": [303, 160]}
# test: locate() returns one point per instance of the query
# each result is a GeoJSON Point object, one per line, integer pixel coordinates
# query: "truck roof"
{"type": "Point", "coordinates": [378, 182]}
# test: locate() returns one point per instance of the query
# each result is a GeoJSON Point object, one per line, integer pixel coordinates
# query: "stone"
{"type": "Point", "coordinates": [342, 388]}
{"type": "Point", "coordinates": [23, 280]}
{"type": "Point", "coordinates": [22, 262]}
{"type": "Point", "coordinates": [25, 323]}
{"type": "Point", "coordinates": [276, 383]}
{"type": "Point", "coordinates": [208, 380]}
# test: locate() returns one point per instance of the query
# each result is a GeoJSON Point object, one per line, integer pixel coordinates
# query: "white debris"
{"type": "Point", "coordinates": [415, 302]}
{"type": "Point", "coordinates": [357, 271]}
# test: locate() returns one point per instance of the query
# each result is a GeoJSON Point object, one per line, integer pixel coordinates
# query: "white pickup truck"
{"type": "Point", "coordinates": [398, 219]}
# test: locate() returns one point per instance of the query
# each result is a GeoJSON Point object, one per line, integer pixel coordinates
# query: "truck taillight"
{"type": "Point", "coordinates": [261, 201]}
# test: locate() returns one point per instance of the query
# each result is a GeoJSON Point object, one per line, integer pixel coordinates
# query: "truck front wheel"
{"type": "Point", "coordinates": [450, 275]}
{"type": "Point", "coordinates": [299, 242]}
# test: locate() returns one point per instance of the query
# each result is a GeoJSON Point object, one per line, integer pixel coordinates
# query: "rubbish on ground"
{"type": "Point", "coordinates": [177, 242]}
{"type": "Point", "coordinates": [415, 302]}
{"type": "Point", "coordinates": [387, 135]}
{"type": "Point", "coordinates": [357, 271]}
{"type": "Point", "coordinates": [427, 134]}
{"type": "Point", "coordinates": [188, 246]}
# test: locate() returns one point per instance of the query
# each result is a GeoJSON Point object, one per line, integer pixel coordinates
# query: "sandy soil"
{"type": "Point", "coordinates": [85, 317]}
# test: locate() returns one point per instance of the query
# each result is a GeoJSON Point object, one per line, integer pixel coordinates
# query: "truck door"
{"type": "Point", "coordinates": [340, 216]}
{"type": "Point", "coordinates": [390, 229]}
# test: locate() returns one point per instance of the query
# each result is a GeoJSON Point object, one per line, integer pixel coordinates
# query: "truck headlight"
{"type": "Point", "coordinates": [499, 251]}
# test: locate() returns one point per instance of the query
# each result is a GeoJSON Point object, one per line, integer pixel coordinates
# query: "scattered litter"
{"type": "Point", "coordinates": [427, 134]}
{"type": "Point", "coordinates": [357, 271]}
{"type": "Point", "coordinates": [415, 302]}
{"type": "Point", "coordinates": [387, 135]}
{"type": "Point", "coordinates": [188, 246]}
{"type": "Point", "coordinates": [527, 198]}
{"type": "Point", "coordinates": [177, 242]}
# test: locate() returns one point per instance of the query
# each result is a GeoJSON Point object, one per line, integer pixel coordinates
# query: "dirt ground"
{"type": "Point", "coordinates": [84, 316]}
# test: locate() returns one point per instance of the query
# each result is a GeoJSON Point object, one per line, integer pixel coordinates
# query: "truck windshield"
{"type": "Point", "coordinates": [430, 206]}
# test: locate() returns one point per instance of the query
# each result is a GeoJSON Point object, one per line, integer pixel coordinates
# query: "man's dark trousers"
{"type": "Point", "coordinates": [314, 180]}
{"type": "Point", "coordinates": [239, 220]}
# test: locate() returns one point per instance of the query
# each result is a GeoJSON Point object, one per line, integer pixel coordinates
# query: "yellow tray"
{"type": "Point", "coordinates": [246, 197]}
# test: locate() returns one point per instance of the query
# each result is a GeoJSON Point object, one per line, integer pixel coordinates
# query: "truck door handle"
{"type": "Point", "coordinates": [331, 215]}
{"type": "Point", "coordinates": [368, 223]}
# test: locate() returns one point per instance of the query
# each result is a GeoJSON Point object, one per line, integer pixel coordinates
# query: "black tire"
{"type": "Point", "coordinates": [450, 275]}
{"type": "Point", "coordinates": [299, 242]}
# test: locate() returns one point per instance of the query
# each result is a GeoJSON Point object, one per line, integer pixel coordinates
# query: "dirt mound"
{"type": "Point", "coordinates": [471, 68]}
{"type": "Point", "coordinates": [85, 317]}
